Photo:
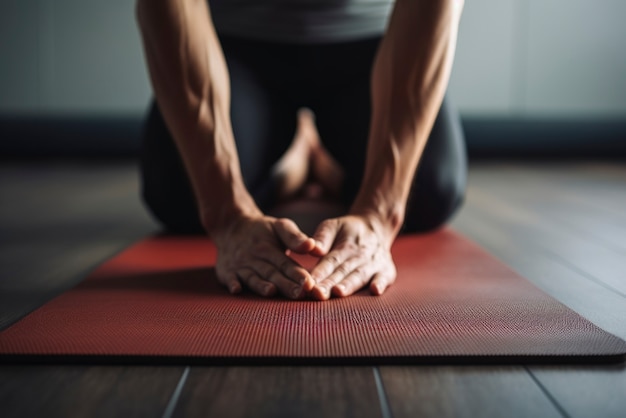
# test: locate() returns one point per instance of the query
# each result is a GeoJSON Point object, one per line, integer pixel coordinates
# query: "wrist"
{"type": "Point", "coordinates": [219, 220]}
{"type": "Point", "coordinates": [386, 220]}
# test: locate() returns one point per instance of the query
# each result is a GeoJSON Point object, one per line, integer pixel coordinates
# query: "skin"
{"type": "Point", "coordinates": [191, 84]}
{"type": "Point", "coordinates": [307, 159]}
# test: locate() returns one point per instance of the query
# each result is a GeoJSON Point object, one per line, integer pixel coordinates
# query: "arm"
{"type": "Point", "coordinates": [192, 87]}
{"type": "Point", "coordinates": [409, 79]}
{"type": "Point", "coordinates": [191, 84]}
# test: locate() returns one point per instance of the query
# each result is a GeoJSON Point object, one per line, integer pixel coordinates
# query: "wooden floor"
{"type": "Point", "coordinates": [561, 226]}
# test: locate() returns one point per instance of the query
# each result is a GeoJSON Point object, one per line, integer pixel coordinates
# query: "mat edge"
{"type": "Point", "coordinates": [22, 359]}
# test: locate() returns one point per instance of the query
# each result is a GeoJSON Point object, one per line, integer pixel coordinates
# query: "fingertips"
{"type": "Point", "coordinates": [380, 283]}
{"type": "Point", "coordinates": [324, 236]}
{"type": "Point", "coordinates": [292, 237]}
{"type": "Point", "coordinates": [320, 292]}
{"type": "Point", "coordinates": [340, 291]}
{"type": "Point", "coordinates": [318, 249]}
{"type": "Point", "coordinates": [234, 288]}
{"type": "Point", "coordinates": [275, 261]}
{"type": "Point", "coordinates": [323, 289]}
{"type": "Point", "coordinates": [300, 275]}
{"type": "Point", "coordinates": [353, 282]}
{"type": "Point", "coordinates": [308, 284]}
{"type": "Point", "coordinates": [256, 284]}
{"type": "Point", "coordinates": [231, 283]}
{"type": "Point", "coordinates": [343, 290]}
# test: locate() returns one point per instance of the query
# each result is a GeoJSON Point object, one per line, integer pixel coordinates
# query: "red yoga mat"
{"type": "Point", "coordinates": [159, 302]}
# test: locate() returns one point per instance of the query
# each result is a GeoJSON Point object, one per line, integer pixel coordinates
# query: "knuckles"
{"type": "Point", "coordinates": [286, 224]}
{"type": "Point", "coordinates": [360, 272]}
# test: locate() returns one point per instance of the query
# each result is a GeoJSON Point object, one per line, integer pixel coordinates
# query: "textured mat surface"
{"type": "Point", "coordinates": [159, 302]}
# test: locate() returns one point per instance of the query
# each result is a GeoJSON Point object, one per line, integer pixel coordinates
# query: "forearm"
{"type": "Point", "coordinates": [191, 85]}
{"type": "Point", "coordinates": [409, 79]}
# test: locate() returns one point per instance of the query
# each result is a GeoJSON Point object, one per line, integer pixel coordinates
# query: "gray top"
{"type": "Point", "coordinates": [301, 21]}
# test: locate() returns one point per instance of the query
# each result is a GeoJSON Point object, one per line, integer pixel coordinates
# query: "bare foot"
{"type": "Point", "coordinates": [306, 161]}
{"type": "Point", "coordinates": [292, 170]}
{"type": "Point", "coordinates": [326, 171]}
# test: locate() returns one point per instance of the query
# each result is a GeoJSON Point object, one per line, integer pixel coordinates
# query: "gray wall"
{"type": "Point", "coordinates": [515, 57]}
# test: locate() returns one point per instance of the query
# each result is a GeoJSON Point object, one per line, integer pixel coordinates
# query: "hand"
{"type": "Point", "coordinates": [253, 251]}
{"type": "Point", "coordinates": [356, 251]}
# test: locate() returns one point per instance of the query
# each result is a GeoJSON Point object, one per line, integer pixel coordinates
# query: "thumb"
{"type": "Point", "coordinates": [292, 237]}
{"type": "Point", "coordinates": [325, 236]}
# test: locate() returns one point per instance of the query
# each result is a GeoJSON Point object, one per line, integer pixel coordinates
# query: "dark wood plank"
{"type": "Point", "coordinates": [591, 200]}
{"type": "Point", "coordinates": [280, 392]}
{"type": "Point", "coordinates": [603, 307]}
{"type": "Point", "coordinates": [55, 391]}
{"type": "Point", "coordinates": [562, 227]}
{"type": "Point", "coordinates": [57, 222]}
{"type": "Point", "coordinates": [503, 215]}
{"type": "Point", "coordinates": [464, 392]}
{"type": "Point", "coordinates": [518, 246]}
{"type": "Point", "coordinates": [586, 391]}
{"type": "Point", "coordinates": [588, 238]}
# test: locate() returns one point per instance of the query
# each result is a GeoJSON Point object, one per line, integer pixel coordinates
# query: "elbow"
{"type": "Point", "coordinates": [144, 10]}
{"type": "Point", "coordinates": [455, 7]}
{"type": "Point", "coordinates": [446, 3]}
{"type": "Point", "coordinates": [140, 12]}
{"type": "Point", "coordinates": [455, 4]}
{"type": "Point", "coordinates": [458, 7]}
{"type": "Point", "coordinates": [451, 9]}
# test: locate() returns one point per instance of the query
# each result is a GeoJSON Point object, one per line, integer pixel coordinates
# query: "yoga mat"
{"type": "Point", "coordinates": [159, 302]}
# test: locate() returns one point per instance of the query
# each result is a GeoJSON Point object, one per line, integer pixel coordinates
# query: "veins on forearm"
{"type": "Point", "coordinates": [409, 79]}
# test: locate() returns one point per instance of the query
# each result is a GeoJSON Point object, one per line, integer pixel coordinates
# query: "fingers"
{"type": "Point", "coordinates": [280, 262]}
{"type": "Point", "coordinates": [255, 283]}
{"type": "Point", "coordinates": [341, 285]}
{"type": "Point", "coordinates": [231, 282]}
{"type": "Point", "coordinates": [291, 236]}
{"type": "Point", "coordinates": [354, 281]}
{"type": "Point", "coordinates": [381, 282]}
{"type": "Point", "coordinates": [348, 277]}
{"type": "Point", "coordinates": [325, 236]}
{"type": "Point", "coordinates": [270, 267]}
{"type": "Point", "coordinates": [328, 264]}
{"type": "Point", "coordinates": [330, 271]}
{"type": "Point", "coordinates": [286, 286]}
{"type": "Point", "coordinates": [351, 257]}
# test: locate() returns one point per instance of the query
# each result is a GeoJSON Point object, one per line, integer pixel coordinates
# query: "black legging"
{"type": "Point", "coordinates": [269, 83]}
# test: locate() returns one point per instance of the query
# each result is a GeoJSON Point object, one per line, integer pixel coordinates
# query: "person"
{"type": "Point", "coordinates": [219, 151]}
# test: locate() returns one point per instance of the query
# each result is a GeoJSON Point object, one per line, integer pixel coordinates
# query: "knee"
{"type": "Point", "coordinates": [171, 212]}
{"type": "Point", "coordinates": [435, 206]}
{"type": "Point", "coordinates": [165, 189]}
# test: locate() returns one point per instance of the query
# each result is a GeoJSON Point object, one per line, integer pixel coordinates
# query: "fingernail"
{"type": "Point", "coordinates": [341, 288]}
{"type": "Point", "coordinates": [296, 292]}
{"type": "Point", "coordinates": [324, 292]}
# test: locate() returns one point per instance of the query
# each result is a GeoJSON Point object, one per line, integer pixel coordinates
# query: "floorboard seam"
{"type": "Point", "coordinates": [171, 405]}
{"type": "Point", "coordinates": [566, 263]}
{"type": "Point", "coordinates": [545, 391]}
{"type": "Point", "coordinates": [382, 395]}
